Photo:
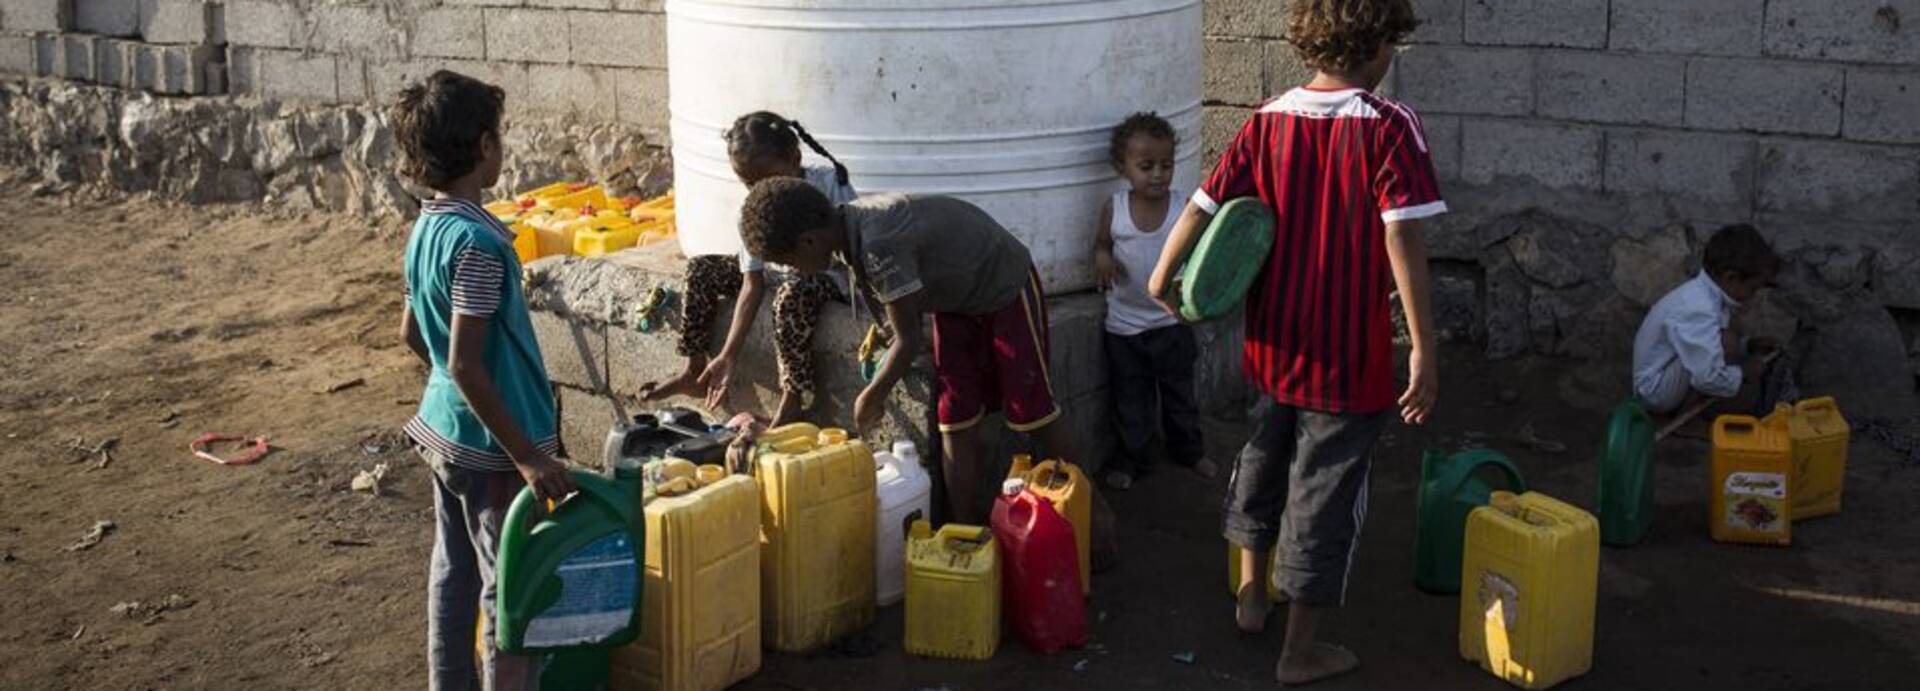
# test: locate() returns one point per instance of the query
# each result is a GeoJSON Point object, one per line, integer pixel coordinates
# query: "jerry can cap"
{"type": "Point", "coordinates": [903, 448]}
{"type": "Point", "coordinates": [1013, 486]}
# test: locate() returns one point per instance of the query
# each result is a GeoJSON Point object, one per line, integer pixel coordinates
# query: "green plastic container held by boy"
{"type": "Point", "coordinates": [1228, 257]}
{"type": "Point", "coordinates": [569, 580]}
{"type": "Point", "coordinates": [1625, 505]}
{"type": "Point", "coordinates": [1451, 488]}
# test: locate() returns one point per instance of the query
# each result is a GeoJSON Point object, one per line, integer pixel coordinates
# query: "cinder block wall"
{"type": "Point", "coordinates": [1589, 146]}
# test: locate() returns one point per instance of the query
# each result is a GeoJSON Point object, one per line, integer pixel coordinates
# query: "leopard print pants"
{"type": "Point", "coordinates": [714, 281]}
{"type": "Point", "coordinates": [796, 311]}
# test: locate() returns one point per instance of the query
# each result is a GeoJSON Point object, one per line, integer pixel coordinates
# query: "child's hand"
{"type": "Point", "coordinates": [1423, 389]}
{"type": "Point", "coordinates": [548, 477]}
{"type": "Point", "coordinates": [715, 378]}
{"type": "Point", "coordinates": [1107, 269]}
{"type": "Point", "coordinates": [1159, 288]}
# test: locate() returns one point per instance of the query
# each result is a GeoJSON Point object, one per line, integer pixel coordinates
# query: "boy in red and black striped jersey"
{"type": "Point", "coordinates": [1348, 175]}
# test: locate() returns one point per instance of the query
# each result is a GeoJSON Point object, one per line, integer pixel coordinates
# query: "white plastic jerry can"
{"type": "Point", "coordinates": [904, 492]}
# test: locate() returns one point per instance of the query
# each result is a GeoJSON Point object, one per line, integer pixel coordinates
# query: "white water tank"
{"type": "Point", "coordinates": [1005, 103]}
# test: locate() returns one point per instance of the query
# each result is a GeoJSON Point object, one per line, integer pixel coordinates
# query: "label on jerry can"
{"type": "Point", "coordinates": [597, 596]}
{"type": "Point", "coordinates": [1754, 501]}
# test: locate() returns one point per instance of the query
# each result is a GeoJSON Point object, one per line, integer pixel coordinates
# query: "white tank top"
{"type": "Point", "coordinates": [1129, 310]}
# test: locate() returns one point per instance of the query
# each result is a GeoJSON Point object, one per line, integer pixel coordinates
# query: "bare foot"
{"type": "Point", "coordinates": [1206, 468]}
{"type": "Point", "coordinates": [1324, 661]}
{"type": "Point", "coordinates": [686, 384]}
{"type": "Point", "coordinates": [1252, 608]}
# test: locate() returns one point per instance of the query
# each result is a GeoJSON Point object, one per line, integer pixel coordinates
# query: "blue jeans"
{"type": "Point", "coordinates": [469, 506]}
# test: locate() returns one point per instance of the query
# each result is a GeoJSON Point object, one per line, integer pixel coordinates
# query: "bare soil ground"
{"type": "Point", "coordinates": [150, 324]}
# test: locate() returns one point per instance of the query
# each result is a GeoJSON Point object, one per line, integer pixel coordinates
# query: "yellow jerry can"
{"type": "Point", "coordinates": [1265, 576]}
{"type": "Point", "coordinates": [604, 235]}
{"type": "Point", "coordinates": [581, 197]}
{"type": "Point", "coordinates": [558, 189]}
{"type": "Point", "coordinates": [1528, 582]}
{"type": "Point", "coordinates": [1820, 437]}
{"type": "Point", "coordinates": [526, 242]}
{"type": "Point", "coordinates": [953, 592]}
{"type": "Point", "coordinates": [816, 522]}
{"type": "Point", "coordinates": [1752, 482]}
{"type": "Point", "coordinates": [700, 620]}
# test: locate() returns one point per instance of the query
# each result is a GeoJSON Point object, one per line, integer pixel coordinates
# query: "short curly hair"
{"type": "Point", "coordinates": [1741, 250]}
{"type": "Point", "coordinates": [1343, 35]}
{"type": "Point", "coordinates": [1149, 124]}
{"type": "Point", "coordinates": [439, 124]}
{"type": "Point", "coordinates": [777, 211]}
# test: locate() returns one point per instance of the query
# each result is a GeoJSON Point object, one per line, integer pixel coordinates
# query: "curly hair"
{"type": "Point", "coordinates": [777, 211]}
{"type": "Point", "coordinates": [1739, 249]}
{"type": "Point", "coordinates": [1149, 124]}
{"type": "Point", "coordinates": [1343, 35]}
{"type": "Point", "coordinates": [764, 134]}
{"type": "Point", "coordinates": [439, 124]}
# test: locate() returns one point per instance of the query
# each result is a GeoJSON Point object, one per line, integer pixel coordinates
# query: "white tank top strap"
{"type": "Point", "coordinates": [1122, 214]}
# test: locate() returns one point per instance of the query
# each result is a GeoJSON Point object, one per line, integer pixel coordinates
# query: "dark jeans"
{"type": "Point", "coordinates": [1299, 488]}
{"type": "Point", "coordinates": [1152, 381]}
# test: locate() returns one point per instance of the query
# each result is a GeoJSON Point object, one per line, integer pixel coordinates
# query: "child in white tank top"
{"type": "Point", "coordinates": [1150, 354]}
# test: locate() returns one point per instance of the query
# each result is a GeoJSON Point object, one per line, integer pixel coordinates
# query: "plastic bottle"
{"type": "Point", "coordinates": [904, 494]}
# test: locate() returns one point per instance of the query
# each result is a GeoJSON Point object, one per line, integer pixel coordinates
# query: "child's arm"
{"type": "Point", "coordinates": [904, 314]}
{"type": "Point", "coordinates": [1193, 221]}
{"type": "Point", "coordinates": [410, 333]}
{"type": "Point", "coordinates": [1105, 267]}
{"type": "Point", "coordinates": [1696, 338]}
{"type": "Point", "coordinates": [746, 309]}
{"type": "Point", "coordinates": [549, 478]}
{"type": "Point", "coordinates": [1407, 252]}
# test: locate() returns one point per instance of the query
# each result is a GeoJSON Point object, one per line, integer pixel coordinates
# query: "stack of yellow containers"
{"type": "Point", "coordinates": [1528, 583]}
{"type": "Point", "coordinates": [816, 522]}
{"type": "Point", "coordinates": [701, 614]}
{"type": "Point", "coordinates": [580, 219]}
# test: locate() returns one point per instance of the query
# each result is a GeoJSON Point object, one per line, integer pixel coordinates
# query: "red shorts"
{"type": "Point", "coordinates": [996, 361]}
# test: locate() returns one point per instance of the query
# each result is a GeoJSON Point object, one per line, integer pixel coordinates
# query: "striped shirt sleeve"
{"type": "Point", "coordinates": [479, 279]}
{"type": "Point", "coordinates": [1235, 175]}
{"type": "Point", "coordinates": [1406, 187]}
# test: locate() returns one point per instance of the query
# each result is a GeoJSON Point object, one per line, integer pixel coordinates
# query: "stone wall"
{"type": "Point", "coordinates": [290, 93]}
{"type": "Point", "coordinates": [1588, 147]}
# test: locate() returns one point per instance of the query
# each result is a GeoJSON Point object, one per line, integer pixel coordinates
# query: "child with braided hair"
{"type": "Point", "coordinates": [760, 145]}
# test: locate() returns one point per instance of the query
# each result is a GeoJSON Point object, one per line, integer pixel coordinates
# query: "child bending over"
{"type": "Point", "coordinates": [931, 256]}
{"type": "Point", "coordinates": [1688, 349]}
{"type": "Point", "coordinates": [761, 145]}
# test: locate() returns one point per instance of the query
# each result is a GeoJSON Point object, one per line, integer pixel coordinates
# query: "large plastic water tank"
{"type": "Point", "coordinates": [1005, 103]}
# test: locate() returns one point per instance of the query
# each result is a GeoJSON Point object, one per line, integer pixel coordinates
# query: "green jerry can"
{"type": "Point", "coordinates": [570, 579]}
{"type": "Point", "coordinates": [1626, 475]}
{"type": "Point", "coordinates": [1450, 488]}
{"type": "Point", "coordinates": [1230, 255]}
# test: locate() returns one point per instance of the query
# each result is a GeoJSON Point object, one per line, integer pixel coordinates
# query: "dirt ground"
{"type": "Point", "coordinates": [151, 324]}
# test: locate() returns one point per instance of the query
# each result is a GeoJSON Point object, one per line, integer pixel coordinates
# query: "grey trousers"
{"type": "Point", "coordinates": [469, 507]}
{"type": "Point", "coordinates": [1299, 488]}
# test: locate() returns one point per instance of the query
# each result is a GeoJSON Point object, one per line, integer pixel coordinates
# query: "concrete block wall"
{"type": "Point", "coordinates": [169, 47]}
{"type": "Point", "coordinates": [1638, 116]}
{"type": "Point", "coordinates": [592, 60]}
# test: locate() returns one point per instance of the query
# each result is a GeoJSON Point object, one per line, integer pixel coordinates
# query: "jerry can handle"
{"type": "Point", "coordinates": [1823, 404]}
{"type": "Point", "coordinates": [966, 538]}
{"type": "Point", "coordinates": [1478, 458]}
{"type": "Point", "coordinates": [1736, 425]}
